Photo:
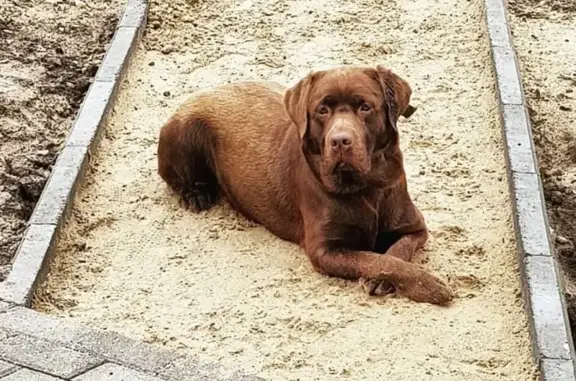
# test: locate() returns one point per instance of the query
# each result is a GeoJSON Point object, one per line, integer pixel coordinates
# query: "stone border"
{"type": "Point", "coordinates": [54, 204]}
{"type": "Point", "coordinates": [543, 290]}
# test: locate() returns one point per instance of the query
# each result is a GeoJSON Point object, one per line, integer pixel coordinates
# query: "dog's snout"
{"type": "Point", "coordinates": [341, 140]}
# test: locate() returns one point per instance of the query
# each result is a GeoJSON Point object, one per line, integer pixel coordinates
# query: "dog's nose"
{"type": "Point", "coordinates": [341, 140]}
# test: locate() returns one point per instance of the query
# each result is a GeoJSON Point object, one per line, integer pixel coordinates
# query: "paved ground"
{"type": "Point", "coordinates": [36, 347]}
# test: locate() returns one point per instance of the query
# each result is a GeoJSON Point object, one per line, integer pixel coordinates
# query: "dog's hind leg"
{"type": "Point", "coordinates": [185, 162]}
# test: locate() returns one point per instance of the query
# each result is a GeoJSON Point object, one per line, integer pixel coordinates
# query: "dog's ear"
{"type": "Point", "coordinates": [397, 93]}
{"type": "Point", "coordinates": [296, 103]}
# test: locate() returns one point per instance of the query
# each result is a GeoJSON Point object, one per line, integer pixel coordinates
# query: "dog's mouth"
{"type": "Point", "coordinates": [344, 170]}
{"type": "Point", "coordinates": [347, 167]}
{"type": "Point", "coordinates": [345, 177]}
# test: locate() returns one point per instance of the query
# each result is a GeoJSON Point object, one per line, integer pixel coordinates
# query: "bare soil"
{"type": "Point", "coordinates": [545, 41]}
{"type": "Point", "coordinates": [219, 287]}
{"type": "Point", "coordinates": [49, 51]}
{"type": "Point", "coordinates": [542, 9]}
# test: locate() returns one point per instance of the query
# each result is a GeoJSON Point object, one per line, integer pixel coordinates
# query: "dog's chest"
{"type": "Point", "coordinates": [354, 224]}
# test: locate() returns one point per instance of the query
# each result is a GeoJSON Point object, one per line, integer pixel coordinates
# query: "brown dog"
{"type": "Point", "coordinates": [318, 164]}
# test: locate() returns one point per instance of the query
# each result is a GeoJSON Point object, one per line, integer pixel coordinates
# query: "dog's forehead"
{"type": "Point", "coordinates": [345, 83]}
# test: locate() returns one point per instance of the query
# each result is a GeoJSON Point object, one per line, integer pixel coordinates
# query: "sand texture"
{"type": "Point", "coordinates": [545, 41]}
{"type": "Point", "coordinates": [213, 284]}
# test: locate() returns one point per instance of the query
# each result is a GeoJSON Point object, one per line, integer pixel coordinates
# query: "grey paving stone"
{"type": "Point", "coordinates": [45, 356]}
{"type": "Point", "coordinates": [531, 219]}
{"type": "Point", "coordinates": [29, 375]}
{"type": "Point", "coordinates": [117, 57]}
{"type": "Point", "coordinates": [114, 372]}
{"type": "Point", "coordinates": [497, 23]}
{"type": "Point", "coordinates": [182, 369]}
{"type": "Point", "coordinates": [518, 137]}
{"type": "Point", "coordinates": [510, 90]}
{"type": "Point", "coordinates": [557, 370]}
{"type": "Point", "coordinates": [123, 350]}
{"type": "Point", "coordinates": [112, 347]}
{"type": "Point", "coordinates": [135, 14]}
{"type": "Point", "coordinates": [92, 115]}
{"type": "Point", "coordinates": [30, 257]}
{"type": "Point", "coordinates": [547, 308]}
{"type": "Point", "coordinates": [107, 345]}
{"type": "Point", "coordinates": [186, 368]}
{"type": "Point", "coordinates": [6, 368]}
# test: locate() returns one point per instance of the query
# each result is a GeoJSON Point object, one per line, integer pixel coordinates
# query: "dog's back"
{"type": "Point", "coordinates": [235, 140]}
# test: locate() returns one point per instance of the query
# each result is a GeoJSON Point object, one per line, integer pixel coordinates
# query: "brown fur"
{"type": "Point", "coordinates": [318, 164]}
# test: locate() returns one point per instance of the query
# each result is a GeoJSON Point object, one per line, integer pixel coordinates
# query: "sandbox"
{"type": "Point", "coordinates": [130, 260]}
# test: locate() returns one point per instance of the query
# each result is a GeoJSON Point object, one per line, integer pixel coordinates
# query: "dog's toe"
{"type": "Point", "coordinates": [377, 287]}
{"type": "Point", "coordinates": [198, 198]}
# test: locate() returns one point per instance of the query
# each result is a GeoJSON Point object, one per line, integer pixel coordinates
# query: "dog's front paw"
{"type": "Point", "coordinates": [425, 288]}
{"type": "Point", "coordinates": [377, 287]}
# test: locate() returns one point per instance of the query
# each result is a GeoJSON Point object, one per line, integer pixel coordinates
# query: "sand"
{"type": "Point", "coordinates": [544, 37]}
{"type": "Point", "coordinates": [212, 284]}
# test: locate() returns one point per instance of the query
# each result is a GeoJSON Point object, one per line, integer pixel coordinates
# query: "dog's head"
{"type": "Point", "coordinates": [346, 119]}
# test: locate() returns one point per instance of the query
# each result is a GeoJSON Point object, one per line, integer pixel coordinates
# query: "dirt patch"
{"type": "Point", "coordinates": [49, 51]}
{"type": "Point", "coordinates": [546, 47]}
{"type": "Point", "coordinates": [541, 9]}
{"type": "Point", "coordinates": [216, 286]}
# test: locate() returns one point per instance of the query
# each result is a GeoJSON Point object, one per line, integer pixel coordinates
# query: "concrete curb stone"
{"type": "Point", "coordinates": [543, 290]}
{"type": "Point", "coordinates": [29, 261]}
{"type": "Point", "coordinates": [93, 115]}
{"type": "Point", "coordinates": [53, 203]}
{"type": "Point", "coordinates": [530, 214]}
{"type": "Point", "coordinates": [519, 149]}
{"type": "Point", "coordinates": [507, 76]}
{"type": "Point", "coordinates": [557, 370]}
{"type": "Point", "coordinates": [52, 209]}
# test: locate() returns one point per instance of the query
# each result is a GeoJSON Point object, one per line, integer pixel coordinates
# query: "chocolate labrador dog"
{"type": "Point", "coordinates": [318, 164]}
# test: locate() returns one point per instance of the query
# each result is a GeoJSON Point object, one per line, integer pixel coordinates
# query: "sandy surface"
{"type": "Point", "coordinates": [545, 39]}
{"type": "Point", "coordinates": [49, 51]}
{"type": "Point", "coordinates": [131, 260]}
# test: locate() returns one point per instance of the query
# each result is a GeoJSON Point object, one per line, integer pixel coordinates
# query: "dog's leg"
{"type": "Point", "coordinates": [402, 246]}
{"type": "Point", "coordinates": [408, 279]}
{"type": "Point", "coordinates": [399, 246]}
{"type": "Point", "coordinates": [185, 162]}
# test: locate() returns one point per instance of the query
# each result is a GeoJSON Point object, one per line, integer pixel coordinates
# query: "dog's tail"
{"type": "Point", "coordinates": [185, 160]}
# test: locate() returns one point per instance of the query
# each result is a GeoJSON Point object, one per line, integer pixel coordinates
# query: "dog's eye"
{"type": "Point", "coordinates": [322, 110]}
{"type": "Point", "coordinates": [365, 107]}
